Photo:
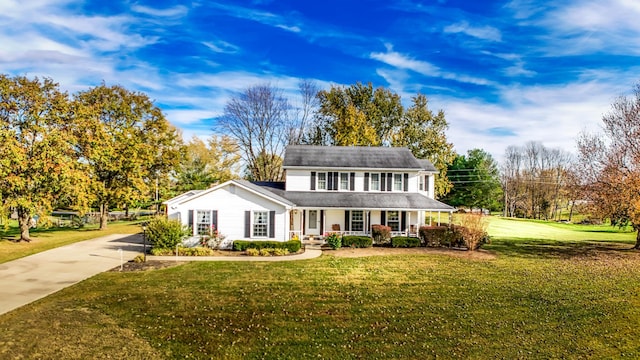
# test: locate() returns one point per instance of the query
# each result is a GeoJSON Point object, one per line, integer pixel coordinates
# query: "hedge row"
{"type": "Point", "coordinates": [291, 245]}
{"type": "Point", "coordinates": [357, 241]}
{"type": "Point", "coordinates": [405, 242]}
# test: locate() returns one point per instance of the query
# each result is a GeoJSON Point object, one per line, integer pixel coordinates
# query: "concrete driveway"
{"type": "Point", "coordinates": [33, 277]}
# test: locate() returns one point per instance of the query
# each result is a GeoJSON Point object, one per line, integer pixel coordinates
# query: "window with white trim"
{"type": "Point", "coordinates": [357, 220]}
{"type": "Point", "coordinates": [260, 223]}
{"type": "Point", "coordinates": [375, 182]}
{"type": "Point", "coordinates": [393, 220]}
{"type": "Point", "coordinates": [421, 183]}
{"type": "Point", "coordinates": [397, 182]}
{"type": "Point", "coordinates": [344, 181]}
{"type": "Point", "coordinates": [322, 181]}
{"type": "Point", "coordinates": [203, 222]}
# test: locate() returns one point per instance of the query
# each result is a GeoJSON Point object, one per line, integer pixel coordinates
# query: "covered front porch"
{"type": "Point", "coordinates": [312, 224]}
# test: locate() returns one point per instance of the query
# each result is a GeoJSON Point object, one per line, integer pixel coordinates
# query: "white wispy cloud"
{"type": "Point", "coordinates": [221, 46]}
{"type": "Point", "coordinates": [263, 17]}
{"type": "Point", "coordinates": [481, 32]}
{"type": "Point", "coordinates": [403, 61]}
{"type": "Point", "coordinates": [171, 12]}
{"type": "Point", "coordinates": [583, 27]}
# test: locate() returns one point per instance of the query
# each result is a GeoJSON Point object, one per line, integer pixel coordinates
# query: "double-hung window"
{"type": "Point", "coordinates": [375, 182]}
{"type": "Point", "coordinates": [260, 223]}
{"type": "Point", "coordinates": [344, 181]}
{"type": "Point", "coordinates": [357, 220]}
{"type": "Point", "coordinates": [203, 222]}
{"type": "Point", "coordinates": [397, 182]}
{"type": "Point", "coordinates": [393, 220]}
{"type": "Point", "coordinates": [322, 181]}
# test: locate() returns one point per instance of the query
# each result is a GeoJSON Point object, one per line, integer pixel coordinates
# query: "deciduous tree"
{"type": "Point", "coordinates": [127, 144]}
{"type": "Point", "coordinates": [39, 166]}
{"type": "Point", "coordinates": [423, 132]}
{"type": "Point", "coordinates": [205, 164]}
{"type": "Point", "coordinates": [610, 163]}
{"type": "Point", "coordinates": [259, 121]}
{"type": "Point", "coordinates": [380, 109]}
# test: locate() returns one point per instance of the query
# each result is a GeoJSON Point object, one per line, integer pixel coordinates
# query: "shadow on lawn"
{"type": "Point", "coordinates": [552, 249]}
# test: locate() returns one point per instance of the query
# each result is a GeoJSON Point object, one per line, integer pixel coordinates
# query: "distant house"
{"type": "Point", "coordinates": [326, 189]}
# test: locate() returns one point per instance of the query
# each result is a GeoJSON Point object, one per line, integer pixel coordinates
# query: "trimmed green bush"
{"type": "Point", "coordinates": [164, 233]}
{"type": "Point", "coordinates": [357, 241]}
{"type": "Point", "coordinates": [292, 245]}
{"type": "Point", "coordinates": [405, 242]}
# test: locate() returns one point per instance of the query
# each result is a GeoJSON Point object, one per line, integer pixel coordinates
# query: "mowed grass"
{"type": "Point", "coordinates": [48, 238]}
{"type": "Point", "coordinates": [560, 304]}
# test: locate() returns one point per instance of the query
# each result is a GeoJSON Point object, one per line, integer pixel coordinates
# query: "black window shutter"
{"type": "Point", "coordinates": [321, 221]}
{"type": "Point", "coordinates": [346, 220]}
{"type": "Point", "coordinates": [406, 182]}
{"type": "Point", "coordinates": [389, 181]}
{"type": "Point", "coordinates": [272, 224]}
{"type": "Point", "coordinates": [313, 180]}
{"type": "Point", "coordinates": [336, 180]}
{"type": "Point", "coordinates": [190, 219]}
{"type": "Point", "coordinates": [383, 217]}
{"type": "Point", "coordinates": [366, 181]}
{"type": "Point", "coordinates": [214, 219]}
{"type": "Point", "coordinates": [247, 224]}
{"type": "Point", "coordinates": [329, 181]}
{"type": "Point", "coordinates": [352, 181]}
{"type": "Point", "coordinates": [403, 220]}
{"type": "Point", "coordinates": [383, 181]}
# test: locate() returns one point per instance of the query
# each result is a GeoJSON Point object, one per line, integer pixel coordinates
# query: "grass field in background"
{"type": "Point", "coordinates": [48, 238]}
{"type": "Point", "coordinates": [542, 290]}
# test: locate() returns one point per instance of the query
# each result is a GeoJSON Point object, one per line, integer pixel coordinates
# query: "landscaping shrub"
{"type": "Point", "coordinates": [381, 234]}
{"type": "Point", "coordinates": [266, 251]}
{"type": "Point", "coordinates": [292, 246]}
{"type": "Point", "coordinates": [357, 241]}
{"type": "Point", "coordinates": [405, 241]}
{"type": "Point", "coordinates": [434, 235]}
{"type": "Point", "coordinates": [280, 252]}
{"type": "Point", "coordinates": [334, 240]}
{"type": "Point", "coordinates": [182, 251]}
{"type": "Point", "coordinates": [163, 233]}
{"type": "Point", "coordinates": [472, 231]}
{"type": "Point", "coordinates": [252, 252]}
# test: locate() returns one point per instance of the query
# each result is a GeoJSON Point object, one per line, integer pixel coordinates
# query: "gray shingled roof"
{"type": "Point", "coordinates": [266, 191]}
{"type": "Point", "coordinates": [360, 157]}
{"type": "Point", "coordinates": [427, 165]}
{"type": "Point", "coordinates": [358, 200]}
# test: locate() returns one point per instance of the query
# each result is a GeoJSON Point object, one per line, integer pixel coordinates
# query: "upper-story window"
{"type": "Point", "coordinates": [375, 182]}
{"type": "Point", "coordinates": [421, 183]}
{"type": "Point", "coordinates": [344, 181]}
{"type": "Point", "coordinates": [397, 182]}
{"type": "Point", "coordinates": [322, 181]}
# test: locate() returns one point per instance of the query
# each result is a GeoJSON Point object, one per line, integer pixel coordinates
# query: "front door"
{"type": "Point", "coordinates": [313, 222]}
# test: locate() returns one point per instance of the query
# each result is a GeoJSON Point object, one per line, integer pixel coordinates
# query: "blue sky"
{"type": "Point", "coordinates": [504, 72]}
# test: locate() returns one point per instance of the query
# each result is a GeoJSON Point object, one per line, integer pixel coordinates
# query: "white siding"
{"type": "Point", "coordinates": [298, 180]}
{"type": "Point", "coordinates": [231, 202]}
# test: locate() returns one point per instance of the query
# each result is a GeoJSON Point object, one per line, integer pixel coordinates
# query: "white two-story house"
{"type": "Point", "coordinates": [326, 189]}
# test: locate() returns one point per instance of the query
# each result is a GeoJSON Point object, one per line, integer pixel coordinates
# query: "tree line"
{"type": "Point", "coordinates": [111, 147]}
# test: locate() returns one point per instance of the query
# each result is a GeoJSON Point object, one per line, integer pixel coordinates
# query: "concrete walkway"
{"type": "Point", "coordinates": [33, 277]}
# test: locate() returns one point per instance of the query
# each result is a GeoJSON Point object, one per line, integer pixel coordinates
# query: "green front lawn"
{"type": "Point", "coordinates": [545, 298]}
{"type": "Point", "coordinates": [48, 238]}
